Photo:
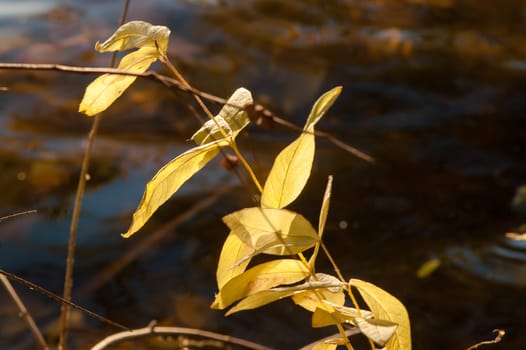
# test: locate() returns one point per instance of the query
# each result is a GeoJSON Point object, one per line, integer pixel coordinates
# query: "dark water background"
{"type": "Point", "coordinates": [434, 90]}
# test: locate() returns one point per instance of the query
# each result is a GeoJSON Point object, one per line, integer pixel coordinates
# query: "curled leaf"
{"type": "Point", "coordinates": [136, 34]}
{"type": "Point", "coordinates": [324, 211]}
{"type": "Point", "coordinates": [379, 331]}
{"type": "Point", "coordinates": [328, 313]}
{"type": "Point", "coordinates": [232, 118]}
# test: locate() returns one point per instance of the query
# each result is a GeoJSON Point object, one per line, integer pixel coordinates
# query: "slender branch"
{"type": "Point", "coordinates": [173, 331]}
{"type": "Point", "coordinates": [500, 334]}
{"type": "Point", "coordinates": [3, 218]}
{"type": "Point", "coordinates": [24, 313]}
{"type": "Point", "coordinates": [173, 83]}
{"type": "Point", "coordinates": [61, 300]}
{"type": "Point", "coordinates": [81, 188]}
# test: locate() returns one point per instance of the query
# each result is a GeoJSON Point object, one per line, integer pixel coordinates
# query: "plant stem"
{"type": "Point", "coordinates": [70, 262]}
{"type": "Point", "coordinates": [81, 187]}
{"type": "Point", "coordinates": [154, 331]}
{"type": "Point", "coordinates": [53, 296]}
{"type": "Point", "coordinates": [24, 313]}
{"type": "Point", "coordinates": [173, 83]}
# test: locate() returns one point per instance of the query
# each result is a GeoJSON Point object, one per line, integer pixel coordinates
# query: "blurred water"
{"type": "Point", "coordinates": [434, 90]}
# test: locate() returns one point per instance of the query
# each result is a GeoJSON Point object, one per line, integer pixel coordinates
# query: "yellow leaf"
{"type": "Point", "coordinates": [169, 179]}
{"type": "Point", "coordinates": [136, 34]}
{"type": "Point", "coordinates": [234, 258]}
{"type": "Point", "coordinates": [260, 277]}
{"type": "Point", "coordinates": [325, 206]}
{"type": "Point", "coordinates": [321, 106]}
{"type": "Point", "coordinates": [386, 307]}
{"type": "Point", "coordinates": [272, 231]}
{"type": "Point", "coordinates": [104, 90]}
{"type": "Point", "coordinates": [323, 318]}
{"type": "Point", "coordinates": [325, 286]}
{"type": "Point", "coordinates": [292, 167]}
{"type": "Point", "coordinates": [231, 119]}
{"type": "Point", "coordinates": [289, 173]}
{"type": "Point", "coordinates": [323, 219]}
{"type": "Point", "coordinates": [324, 346]}
{"type": "Point", "coordinates": [259, 299]}
{"type": "Point", "coordinates": [379, 331]}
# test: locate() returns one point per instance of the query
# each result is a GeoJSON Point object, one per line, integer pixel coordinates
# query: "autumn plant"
{"type": "Point", "coordinates": [267, 228]}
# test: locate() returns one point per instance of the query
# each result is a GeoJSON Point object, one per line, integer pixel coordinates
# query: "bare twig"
{"type": "Point", "coordinates": [173, 331]}
{"type": "Point", "coordinates": [500, 334]}
{"type": "Point", "coordinates": [3, 218]}
{"type": "Point", "coordinates": [23, 310]}
{"type": "Point", "coordinates": [24, 313]}
{"type": "Point", "coordinates": [53, 296]}
{"type": "Point", "coordinates": [173, 83]}
{"type": "Point", "coordinates": [81, 187]}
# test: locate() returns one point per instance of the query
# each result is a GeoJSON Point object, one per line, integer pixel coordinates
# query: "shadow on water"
{"type": "Point", "coordinates": [434, 90]}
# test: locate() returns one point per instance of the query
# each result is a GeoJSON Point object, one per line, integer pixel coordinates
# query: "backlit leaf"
{"type": "Point", "coordinates": [321, 106]}
{"type": "Point", "coordinates": [136, 34]}
{"type": "Point", "coordinates": [259, 299]}
{"type": "Point", "coordinates": [272, 231]}
{"type": "Point", "coordinates": [386, 307]}
{"type": "Point", "coordinates": [324, 287]}
{"type": "Point", "coordinates": [169, 179]}
{"type": "Point", "coordinates": [292, 167]}
{"type": "Point", "coordinates": [104, 90]}
{"type": "Point", "coordinates": [289, 173]}
{"type": "Point", "coordinates": [258, 278]}
{"type": "Point", "coordinates": [379, 331]}
{"type": "Point", "coordinates": [234, 258]}
{"type": "Point", "coordinates": [230, 119]}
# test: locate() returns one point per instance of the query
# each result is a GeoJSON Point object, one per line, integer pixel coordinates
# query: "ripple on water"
{"type": "Point", "coordinates": [503, 262]}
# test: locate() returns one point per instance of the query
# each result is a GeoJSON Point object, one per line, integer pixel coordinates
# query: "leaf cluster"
{"type": "Point", "coordinates": [268, 228]}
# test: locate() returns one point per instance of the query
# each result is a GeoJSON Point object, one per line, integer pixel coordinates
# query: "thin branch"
{"type": "Point", "coordinates": [53, 296]}
{"type": "Point", "coordinates": [257, 109]}
{"type": "Point", "coordinates": [24, 313]}
{"type": "Point", "coordinates": [3, 218]}
{"type": "Point", "coordinates": [500, 334]}
{"type": "Point", "coordinates": [81, 188]}
{"type": "Point", "coordinates": [173, 332]}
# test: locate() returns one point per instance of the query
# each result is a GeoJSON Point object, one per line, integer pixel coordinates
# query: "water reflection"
{"type": "Point", "coordinates": [432, 89]}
